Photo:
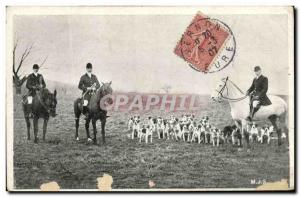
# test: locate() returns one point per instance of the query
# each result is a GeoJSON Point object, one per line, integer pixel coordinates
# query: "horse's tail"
{"type": "Point", "coordinates": [76, 107]}
{"type": "Point", "coordinates": [286, 121]}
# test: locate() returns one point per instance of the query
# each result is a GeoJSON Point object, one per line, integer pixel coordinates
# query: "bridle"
{"type": "Point", "coordinates": [103, 90]}
{"type": "Point", "coordinates": [221, 91]}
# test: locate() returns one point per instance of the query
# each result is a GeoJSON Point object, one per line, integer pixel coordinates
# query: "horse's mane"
{"type": "Point", "coordinates": [44, 93]}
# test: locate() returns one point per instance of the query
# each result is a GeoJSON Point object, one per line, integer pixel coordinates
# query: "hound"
{"type": "Point", "coordinates": [177, 131]}
{"type": "Point", "coordinates": [236, 136]}
{"type": "Point", "coordinates": [207, 134]}
{"type": "Point", "coordinates": [160, 127]}
{"type": "Point", "coordinates": [216, 136]}
{"type": "Point", "coordinates": [185, 133]}
{"type": "Point", "coordinates": [130, 124]}
{"type": "Point", "coordinates": [227, 133]}
{"type": "Point", "coordinates": [264, 135]}
{"type": "Point", "coordinates": [253, 133]}
{"type": "Point", "coordinates": [197, 134]}
{"type": "Point", "coordinates": [146, 132]}
{"type": "Point", "coordinates": [136, 127]}
{"type": "Point", "coordinates": [152, 122]}
{"type": "Point", "coordinates": [167, 131]}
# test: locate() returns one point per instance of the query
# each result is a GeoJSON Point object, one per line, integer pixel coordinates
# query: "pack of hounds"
{"type": "Point", "coordinates": [186, 128]}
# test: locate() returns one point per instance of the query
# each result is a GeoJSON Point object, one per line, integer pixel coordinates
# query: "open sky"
{"type": "Point", "coordinates": [135, 52]}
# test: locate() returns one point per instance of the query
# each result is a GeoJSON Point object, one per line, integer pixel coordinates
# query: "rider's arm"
{"type": "Point", "coordinates": [81, 85]}
{"type": "Point", "coordinates": [251, 88]}
{"type": "Point", "coordinates": [29, 83]}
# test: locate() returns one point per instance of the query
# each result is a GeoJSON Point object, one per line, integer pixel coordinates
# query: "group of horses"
{"type": "Point", "coordinates": [44, 106]}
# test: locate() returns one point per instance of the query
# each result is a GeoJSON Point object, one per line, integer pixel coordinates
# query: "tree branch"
{"type": "Point", "coordinates": [43, 62]}
{"type": "Point", "coordinates": [14, 56]}
{"type": "Point", "coordinates": [24, 56]}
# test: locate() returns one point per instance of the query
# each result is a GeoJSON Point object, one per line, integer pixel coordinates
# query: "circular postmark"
{"type": "Point", "coordinates": [208, 45]}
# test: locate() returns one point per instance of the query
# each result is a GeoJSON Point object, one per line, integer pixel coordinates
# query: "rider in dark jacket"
{"type": "Point", "coordinates": [35, 82]}
{"type": "Point", "coordinates": [258, 92]}
{"type": "Point", "coordinates": [88, 84]}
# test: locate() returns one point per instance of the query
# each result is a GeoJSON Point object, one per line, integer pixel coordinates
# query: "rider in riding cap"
{"type": "Point", "coordinates": [88, 84]}
{"type": "Point", "coordinates": [35, 82]}
{"type": "Point", "coordinates": [258, 92]}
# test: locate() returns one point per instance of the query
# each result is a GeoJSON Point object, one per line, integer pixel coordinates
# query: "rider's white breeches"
{"type": "Point", "coordinates": [29, 99]}
{"type": "Point", "coordinates": [255, 103]}
{"type": "Point", "coordinates": [85, 102]}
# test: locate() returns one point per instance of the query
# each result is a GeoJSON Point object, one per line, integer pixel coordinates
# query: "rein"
{"type": "Point", "coordinates": [231, 99]}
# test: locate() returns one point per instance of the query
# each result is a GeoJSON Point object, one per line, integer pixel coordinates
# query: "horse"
{"type": "Point", "coordinates": [95, 112]}
{"type": "Point", "coordinates": [228, 90]}
{"type": "Point", "coordinates": [43, 106]}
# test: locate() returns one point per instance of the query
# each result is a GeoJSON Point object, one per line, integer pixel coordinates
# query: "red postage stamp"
{"type": "Point", "coordinates": [208, 45]}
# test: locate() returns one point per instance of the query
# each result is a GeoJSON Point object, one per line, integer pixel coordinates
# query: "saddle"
{"type": "Point", "coordinates": [41, 94]}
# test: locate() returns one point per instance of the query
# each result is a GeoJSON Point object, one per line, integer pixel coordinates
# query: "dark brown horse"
{"type": "Point", "coordinates": [95, 112]}
{"type": "Point", "coordinates": [43, 106]}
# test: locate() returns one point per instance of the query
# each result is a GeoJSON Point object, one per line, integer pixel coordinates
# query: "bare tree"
{"type": "Point", "coordinates": [19, 79]}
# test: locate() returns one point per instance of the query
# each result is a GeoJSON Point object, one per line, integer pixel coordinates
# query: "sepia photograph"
{"type": "Point", "coordinates": [150, 98]}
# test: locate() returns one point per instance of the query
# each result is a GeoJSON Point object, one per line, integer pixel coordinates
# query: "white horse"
{"type": "Point", "coordinates": [239, 104]}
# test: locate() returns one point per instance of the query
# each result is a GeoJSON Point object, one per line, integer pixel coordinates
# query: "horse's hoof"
{"type": "Point", "coordinates": [77, 139]}
{"type": "Point", "coordinates": [89, 140]}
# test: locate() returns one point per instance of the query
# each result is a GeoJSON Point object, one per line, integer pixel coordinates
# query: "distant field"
{"type": "Point", "coordinates": [168, 164]}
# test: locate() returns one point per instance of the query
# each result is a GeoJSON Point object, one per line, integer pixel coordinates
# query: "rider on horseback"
{"type": "Point", "coordinates": [88, 84]}
{"type": "Point", "coordinates": [35, 82]}
{"type": "Point", "coordinates": [258, 92]}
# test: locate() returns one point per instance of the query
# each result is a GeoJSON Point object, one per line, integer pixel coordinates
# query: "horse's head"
{"type": "Point", "coordinates": [219, 91]}
{"type": "Point", "coordinates": [105, 90]}
{"type": "Point", "coordinates": [50, 102]}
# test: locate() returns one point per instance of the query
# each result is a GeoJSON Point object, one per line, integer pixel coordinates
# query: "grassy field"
{"type": "Point", "coordinates": [168, 164]}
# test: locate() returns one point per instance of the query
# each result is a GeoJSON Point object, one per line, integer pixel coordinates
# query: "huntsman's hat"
{"type": "Point", "coordinates": [257, 68]}
{"type": "Point", "coordinates": [35, 66]}
{"type": "Point", "coordinates": [89, 65]}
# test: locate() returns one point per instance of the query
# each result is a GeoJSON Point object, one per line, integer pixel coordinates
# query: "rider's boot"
{"type": "Point", "coordinates": [253, 110]}
{"type": "Point", "coordinates": [249, 118]}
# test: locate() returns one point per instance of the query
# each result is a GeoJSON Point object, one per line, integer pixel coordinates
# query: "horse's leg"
{"type": "Point", "coordinates": [77, 113]}
{"type": "Point", "coordinates": [77, 126]}
{"type": "Point", "coordinates": [245, 136]}
{"type": "Point", "coordinates": [87, 125]}
{"type": "Point", "coordinates": [35, 128]}
{"type": "Point", "coordinates": [94, 123]}
{"type": "Point", "coordinates": [28, 127]}
{"type": "Point", "coordinates": [103, 122]}
{"type": "Point", "coordinates": [275, 122]}
{"type": "Point", "coordinates": [45, 128]}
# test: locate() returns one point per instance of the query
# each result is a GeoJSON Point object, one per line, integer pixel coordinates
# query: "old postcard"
{"type": "Point", "coordinates": [150, 98]}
